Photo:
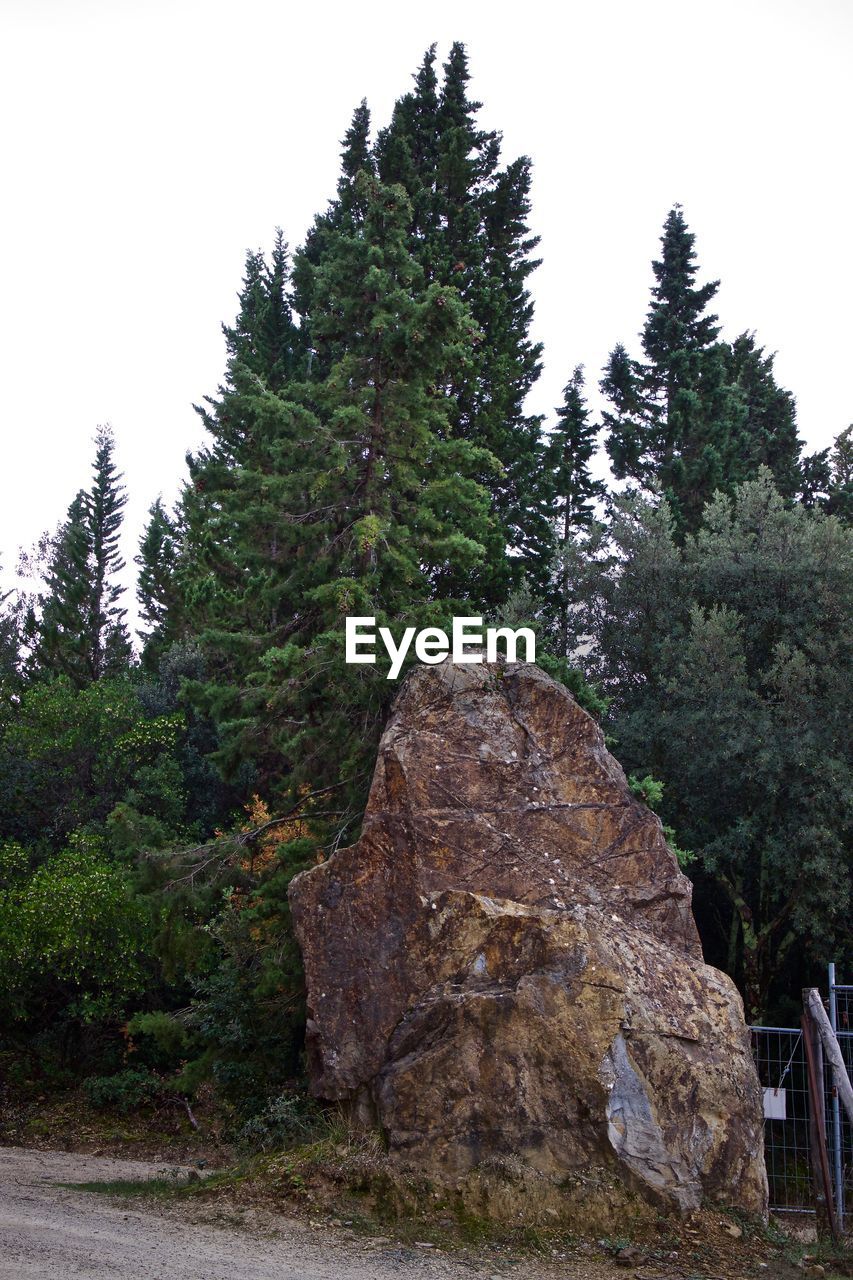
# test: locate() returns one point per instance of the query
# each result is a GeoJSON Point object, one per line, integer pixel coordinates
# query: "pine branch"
{"type": "Point", "coordinates": [225, 849]}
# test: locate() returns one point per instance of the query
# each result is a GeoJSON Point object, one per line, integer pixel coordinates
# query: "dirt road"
{"type": "Point", "coordinates": [52, 1232]}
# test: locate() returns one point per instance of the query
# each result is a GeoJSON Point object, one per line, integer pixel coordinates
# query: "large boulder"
{"type": "Point", "coordinates": [505, 967]}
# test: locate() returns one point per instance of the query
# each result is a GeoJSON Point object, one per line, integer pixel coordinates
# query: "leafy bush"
{"type": "Point", "coordinates": [158, 1039]}
{"type": "Point", "coordinates": [71, 932]}
{"type": "Point", "coordinates": [647, 789]}
{"type": "Point", "coordinates": [70, 755]}
{"type": "Point", "coordinates": [14, 863]}
{"type": "Point", "coordinates": [124, 1092]}
{"type": "Point", "coordinates": [285, 1121]}
{"type": "Point", "coordinates": [650, 791]}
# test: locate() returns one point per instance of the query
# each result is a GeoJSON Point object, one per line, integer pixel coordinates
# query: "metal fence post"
{"type": "Point", "coordinates": [837, 1159]}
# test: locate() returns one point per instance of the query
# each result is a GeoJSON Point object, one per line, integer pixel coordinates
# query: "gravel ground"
{"type": "Point", "coordinates": [54, 1233]}
{"type": "Point", "coordinates": [51, 1231]}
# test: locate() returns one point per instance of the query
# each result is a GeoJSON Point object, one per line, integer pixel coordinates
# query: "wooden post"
{"type": "Point", "coordinates": [821, 1180]}
{"type": "Point", "coordinates": [813, 1003]}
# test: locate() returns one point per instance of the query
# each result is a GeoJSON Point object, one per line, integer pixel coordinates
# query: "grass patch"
{"type": "Point", "coordinates": [160, 1188]}
{"type": "Point", "coordinates": [836, 1259]}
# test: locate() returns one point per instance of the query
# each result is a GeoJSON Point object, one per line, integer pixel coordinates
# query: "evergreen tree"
{"type": "Point", "coordinates": [345, 213]}
{"type": "Point", "coordinates": [841, 477]}
{"type": "Point", "coordinates": [469, 230]}
{"type": "Point", "coordinates": [407, 151]}
{"type": "Point", "coordinates": [826, 478]}
{"type": "Point", "coordinates": [348, 495]}
{"type": "Point", "coordinates": [231, 559]}
{"type": "Point", "coordinates": [677, 329]}
{"type": "Point", "coordinates": [661, 431]}
{"type": "Point", "coordinates": [769, 431]}
{"type": "Point", "coordinates": [264, 339]}
{"type": "Point", "coordinates": [356, 158]}
{"type": "Point", "coordinates": [79, 628]}
{"type": "Point", "coordinates": [395, 505]}
{"type": "Point", "coordinates": [10, 649]}
{"type": "Point", "coordinates": [157, 590]}
{"type": "Point", "coordinates": [511, 364]}
{"type": "Point", "coordinates": [570, 448]}
{"type": "Point", "coordinates": [61, 627]}
{"type": "Point", "coordinates": [392, 342]}
{"type": "Point", "coordinates": [697, 415]}
{"type": "Point", "coordinates": [108, 643]}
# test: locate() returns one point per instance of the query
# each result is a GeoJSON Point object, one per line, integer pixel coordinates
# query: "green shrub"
{"type": "Point", "coordinates": [286, 1121]}
{"type": "Point", "coordinates": [650, 791]}
{"type": "Point", "coordinates": [647, 789]}
{"type": "Point", "coordinates": [71, 933]}
{"type": "Point", "coordinates": [123, 1092]}
{"type": "Point", "coordinates": [159, 1040]}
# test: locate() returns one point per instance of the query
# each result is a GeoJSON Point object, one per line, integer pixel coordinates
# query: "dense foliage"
{"type": "Point", "coordinates": [728, 661]}
{"type": "Point", "coordinates": [370, 452]}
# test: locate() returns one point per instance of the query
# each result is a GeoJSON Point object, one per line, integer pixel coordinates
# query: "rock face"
{"type": "Point", "coordinates": [505, 968]}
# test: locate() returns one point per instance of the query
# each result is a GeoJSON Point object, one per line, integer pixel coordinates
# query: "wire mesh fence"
{"type": "Point", "coordinates": [779, 1055]}
{"type": "Point", "coordinates": [780, 1058]}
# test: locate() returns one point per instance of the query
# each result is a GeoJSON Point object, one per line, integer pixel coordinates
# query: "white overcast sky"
{"type": "Point", "coordinates": [147, 145]}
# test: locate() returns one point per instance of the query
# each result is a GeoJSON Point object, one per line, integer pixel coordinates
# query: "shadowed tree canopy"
{"type": "Point", "coordinates": [728, 664]}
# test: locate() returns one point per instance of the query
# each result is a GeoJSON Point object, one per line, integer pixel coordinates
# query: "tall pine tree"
{"type": "Point", "coordinates": [11, 639]}
{"type": "Point", "coordinates": [768, 431]}
{"type": "Point", "coordinates": [468, 229]}
{"type": "Point", "coordinates": [264, 339]}
{"type": "Point", "coordinates": [670, 423]}
{"type": "Point", "coordinates": [78, 628]}
{"type": "Point", "coordinates": [58, 624]}
{"type": "Point", "coordinates": [698, 414]}
{"type": "Point", "coordinates": [231, 560]}
{"type": "Point", "coordinates": [157, 590]}
{"type": "Point", "coordinates": [347, 495]}
{"type": "Point", "coordinates": [108, 642]}
{"type": "Point", "coordinates": [574, 491]}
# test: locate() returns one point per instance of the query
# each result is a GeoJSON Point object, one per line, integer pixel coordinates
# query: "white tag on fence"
{"type": "Point", "coordinates": [774, 1104]}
